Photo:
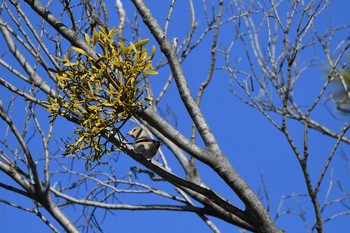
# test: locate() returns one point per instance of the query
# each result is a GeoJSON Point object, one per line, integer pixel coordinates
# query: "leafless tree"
{"type": "Point", "coordinates": [266, 58]}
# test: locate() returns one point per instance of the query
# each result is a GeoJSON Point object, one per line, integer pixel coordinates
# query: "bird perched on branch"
{"type": "Point", "coordinates": [143, 145]}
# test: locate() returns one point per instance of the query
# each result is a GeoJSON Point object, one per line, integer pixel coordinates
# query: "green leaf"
{"type": "Point", "coordinates": [151, 72]}
{"type": "Point", "coordinates": [87, 38]}
{"type": "Point", "coordinates": [122, 47]}
{"type": "Point", "coordinates": [153, 52]}
{"type": "Point", "coordinates": [132, 46]}
{"type": "Point", "coordinates": [141, 43]}
{"type": "Point", "coordinates": [79, 50]}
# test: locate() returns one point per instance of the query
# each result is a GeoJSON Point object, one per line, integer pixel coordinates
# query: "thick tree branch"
{"type": "Point", "coordinates": [170, 52]}
{"type": "Point", "coordinates": [126, 206]}
{"type": "Point", "coordinates": [18, 178]}
{"type": "Point", "coordinates": [217, 160]}
{"type": "Point", "coordinates": [219, 163]}
{"type": "Point", "coordinates": [34, 77]}
{"type": "Point", "coordinates": [29, 159]}
{"type": "Point", "coordinates": [179, 182]}
{"type": "Point", "coordinates": [67, 33]}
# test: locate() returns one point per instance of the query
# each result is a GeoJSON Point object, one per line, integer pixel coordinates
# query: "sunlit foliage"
{"type": "Point", "coordinates": [102, 93]}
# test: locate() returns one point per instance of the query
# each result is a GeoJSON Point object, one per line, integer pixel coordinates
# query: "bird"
{"type": "Point", "coordinates": [143, 145]}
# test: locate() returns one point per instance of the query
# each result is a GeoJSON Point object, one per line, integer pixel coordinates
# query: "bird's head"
{"type": "Point", "coordinates": [137, 132]}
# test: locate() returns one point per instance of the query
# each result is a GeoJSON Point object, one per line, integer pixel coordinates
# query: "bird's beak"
{"type": "Point", "coordinates": [129, 133]}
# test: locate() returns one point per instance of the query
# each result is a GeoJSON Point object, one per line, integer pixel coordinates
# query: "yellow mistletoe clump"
{"type": "Point", "coordinates": [102, 93]}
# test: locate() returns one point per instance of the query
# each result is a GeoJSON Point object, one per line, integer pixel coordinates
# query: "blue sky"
{"type": "Point", "coordinates": [252, 144]}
